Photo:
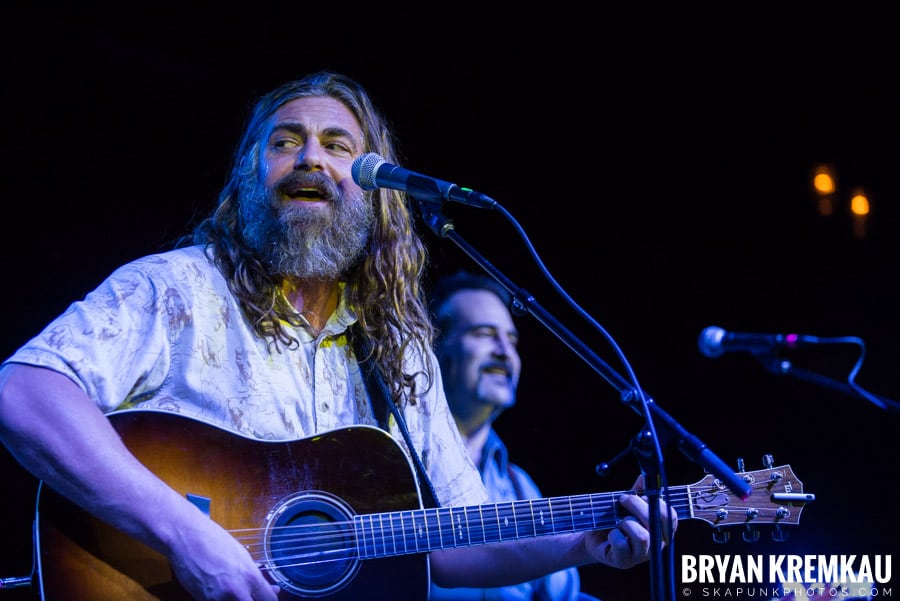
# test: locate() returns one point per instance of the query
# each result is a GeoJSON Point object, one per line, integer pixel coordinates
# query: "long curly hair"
{"type": "Point", "coordinates": [384, 288]}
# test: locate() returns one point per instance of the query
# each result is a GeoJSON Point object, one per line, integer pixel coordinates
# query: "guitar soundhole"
{"type": "Point", "coordinates": [310, 544]}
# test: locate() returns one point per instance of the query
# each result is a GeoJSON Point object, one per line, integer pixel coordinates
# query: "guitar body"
{"type": "Point", "coordinates": [248, 485]}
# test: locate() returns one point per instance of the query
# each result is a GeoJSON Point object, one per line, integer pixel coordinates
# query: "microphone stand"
{"type": "Point", "coordinates": [668, 430]}
{"type": "Point", "coordinates": [783, 367]}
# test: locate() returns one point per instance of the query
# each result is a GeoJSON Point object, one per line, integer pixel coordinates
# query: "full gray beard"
{"type": "Point", "coordinates": [306, 242]}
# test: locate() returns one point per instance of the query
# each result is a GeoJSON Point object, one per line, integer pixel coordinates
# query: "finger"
{"type": "Point", "coordinates": [640, 511]}
{"type": "Point", "coordinates": [637, 535]}
{"type": "Point", "coordinates": [627, 544]}
{"type": "Point", "coordinates": [636, 506]}
{"type": "Point", "coordinates": [618, 550]}
{"type": "Point", "coordinates": [640, 508]}
{"type": "Point", "coordinates": [669, 518]}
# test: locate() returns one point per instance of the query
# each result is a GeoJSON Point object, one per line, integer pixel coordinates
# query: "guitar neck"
{"type": "Point", "coordinates": [422, 531]}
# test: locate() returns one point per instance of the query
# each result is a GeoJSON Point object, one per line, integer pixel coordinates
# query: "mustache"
{"type": "Point", "coordinates": [313, 185]}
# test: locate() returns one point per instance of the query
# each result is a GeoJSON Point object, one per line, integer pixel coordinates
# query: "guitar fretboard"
{"type": "Point", "coordinates": [425, 530]}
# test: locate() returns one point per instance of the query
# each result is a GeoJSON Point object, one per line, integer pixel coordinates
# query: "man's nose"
{"type": "Point", "coordinates": [503, 346]}
{"type": "Point", "coordinates": [309, 158]}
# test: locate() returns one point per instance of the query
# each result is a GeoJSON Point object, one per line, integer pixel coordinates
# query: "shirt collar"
{"type": "Point", "coordinates": [495, 451]}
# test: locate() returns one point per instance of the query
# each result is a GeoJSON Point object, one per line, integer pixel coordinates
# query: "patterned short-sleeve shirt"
{"type": "Point", "coordinates": [164, 333]}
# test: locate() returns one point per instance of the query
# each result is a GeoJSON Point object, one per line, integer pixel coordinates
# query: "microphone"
{"type": "Point", "coordinates": [370, 172]}
{"type": "Point", "coordinates": [714, 342]}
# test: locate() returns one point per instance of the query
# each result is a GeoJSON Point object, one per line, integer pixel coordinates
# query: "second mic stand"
{"type": "Point", "coordinates": [783, 367]}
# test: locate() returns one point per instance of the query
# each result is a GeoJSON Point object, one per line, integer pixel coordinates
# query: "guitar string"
{"type": "Point", "coordinates": [425, 535]}
{"type": "Point", "coordinates": [338, 541]}
{"type": "Point", "coordinates": [316, 554]}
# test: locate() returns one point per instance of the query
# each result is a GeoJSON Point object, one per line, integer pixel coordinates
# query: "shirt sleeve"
{"type": "Point", "coordinates": [113, 343]}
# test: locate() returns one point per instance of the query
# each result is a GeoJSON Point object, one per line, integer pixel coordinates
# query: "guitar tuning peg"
{"type": "Point", "coordinates": [721, 536]}
{"type": "Point", "coordinates": [768, 461]}
{"type": "Point", "coordinates": [750, 534]}
{"type": "Point", "coordinates": [779, 534]}
{"type": "Point", "coordinates": [740, 464]}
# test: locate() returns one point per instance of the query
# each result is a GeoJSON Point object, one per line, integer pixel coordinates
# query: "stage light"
{"type": "Point", "coordinates": [824, 185]}
{"type": "Point", "coordinates": [859, 209]}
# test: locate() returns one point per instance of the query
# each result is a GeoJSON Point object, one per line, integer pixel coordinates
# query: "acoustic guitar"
{"type": "Point", "coordinates": [336, 516]}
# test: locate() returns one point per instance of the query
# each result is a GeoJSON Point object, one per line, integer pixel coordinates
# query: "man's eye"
{"type": "Point", "coordinates": [285, 143]}
{"type": "Point", "coordinates": [338, 147]}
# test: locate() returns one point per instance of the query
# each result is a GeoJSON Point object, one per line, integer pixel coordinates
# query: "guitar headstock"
{"type": "Point", "coordinates": [776, 497]}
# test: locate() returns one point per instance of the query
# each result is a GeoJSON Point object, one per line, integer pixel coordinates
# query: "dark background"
{"type": "Point", "coordinates": [659, 163]}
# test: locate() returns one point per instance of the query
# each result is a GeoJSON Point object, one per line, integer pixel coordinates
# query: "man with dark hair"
{"type": "Point", "coordinates": [476, 346]}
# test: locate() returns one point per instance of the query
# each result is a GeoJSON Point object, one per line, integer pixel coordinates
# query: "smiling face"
{"type": "Point", "coordinates": [480, 365]}
{"type": "Point", "coordinates": [302, 211]}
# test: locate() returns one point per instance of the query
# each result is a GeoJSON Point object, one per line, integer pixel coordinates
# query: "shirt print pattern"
{"type": "Point", "coordinates": [163, 332]}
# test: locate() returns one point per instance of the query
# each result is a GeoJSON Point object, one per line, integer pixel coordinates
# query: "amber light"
{"type": "Point", "coordinates": [859, 207]}
{"type": "Point", "coordinates": [824, 186]}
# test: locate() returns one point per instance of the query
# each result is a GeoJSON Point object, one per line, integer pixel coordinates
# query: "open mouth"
{"type": "Point", "coordinates": [306, 193]}
{"type": "Point", "coordinates": [497, 370]}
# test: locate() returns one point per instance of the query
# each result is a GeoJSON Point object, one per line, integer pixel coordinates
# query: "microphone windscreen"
{"type": "Point", "coordinates": [364, 168]}
{"type": "Point", "coordinates": [710, 341]}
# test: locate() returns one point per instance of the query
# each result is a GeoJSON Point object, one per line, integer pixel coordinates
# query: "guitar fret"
{"type": "Point", "coordinates": [392, 518]}
{"type": "Point", "coordinates": [462, 527]}
{"type": "Point", "coordinates": [541, 517]}
{"type": "Point", "coordinates": [376, 547]}
{"type": "Point", "coordinates": [421, 532]}
{"type": "Point", "coordinates": [362, 528]}
{"type": "Point", "coordinates": [415, 530]}
{"type": "Point", "coordinates": [433, 529]}
{"type": "Point", "coordinates": [380, 540]}
{"type": "Point", "coordinates": [609, 517]}
{"type": "Point", "coordinates": [506, 520]}
{"type": "Point", "coordinates": [528, 514]}
{"type": "Point", "coordinates": [475, 522]}
{"type": "Point", "coordinates": [491, 527]}
{"type": "Point", "coordinates": [452, 528]}
{"type": "Point", "coordinates": [445, 525]}
{"type": "Point", "coordinates": [561, 520]}
{"type": "Point", "coordinates": [581, 518]}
